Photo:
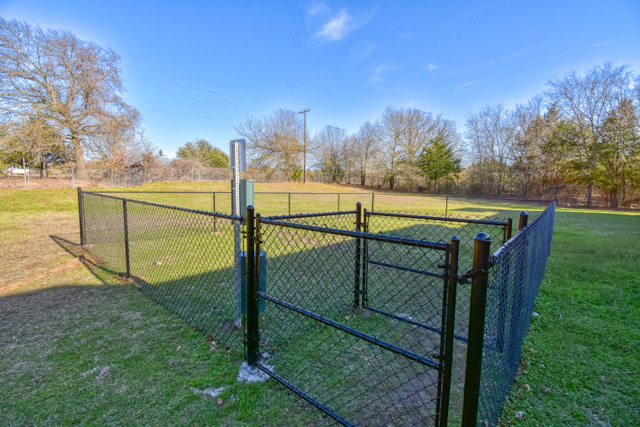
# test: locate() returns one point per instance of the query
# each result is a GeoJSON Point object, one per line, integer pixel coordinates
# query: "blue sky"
{"type": "Point", "coordinates": [195, 69]}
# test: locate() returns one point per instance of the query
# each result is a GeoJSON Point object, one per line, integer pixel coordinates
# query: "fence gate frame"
{"type": "Point", "coordinates": [449, 277]}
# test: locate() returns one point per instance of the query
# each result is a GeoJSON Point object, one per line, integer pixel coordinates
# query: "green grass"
{"type": "Point", "coordinates": [76, 348]}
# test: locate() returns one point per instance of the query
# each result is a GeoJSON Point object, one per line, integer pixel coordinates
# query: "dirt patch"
{"type": "Point", "coordinates": [69, 265]}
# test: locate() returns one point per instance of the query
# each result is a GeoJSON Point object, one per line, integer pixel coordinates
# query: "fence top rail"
{"type": "Point", "coordinates": [356, 234]}
{"type": "Point", "coordinates": [156, 192]}
{"type": "Point", "coordinates": [308, 215]}
{"type": "Point", "coordinates": [438, 218]}
{"type": "Point", "coordinates": [520, 232]}
{"type": "Point", "coordinates": [158, 205]}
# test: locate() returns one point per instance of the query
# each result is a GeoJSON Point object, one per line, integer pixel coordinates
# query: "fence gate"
{"type": "Point", "coordinates": [356, 323]}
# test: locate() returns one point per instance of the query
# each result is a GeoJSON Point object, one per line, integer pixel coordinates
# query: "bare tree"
{"type": "Point", "coordinates": [72, 84]}
{"type": "Point", "coordinates": [491, 136]}
{"type": "Point", "coordinates": [330, 151]}
{"type": "Point", "coordinates": [587, 101]}
{"type": "Point", "coordinates": [275, 141]}
{"type": "Point", "coordinates": [390, 134]}
{"type": "Point", "coordinates": [365, 145]}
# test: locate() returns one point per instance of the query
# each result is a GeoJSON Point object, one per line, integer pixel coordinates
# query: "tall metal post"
{"type": "Point", "coordinates": [475, 344]}
{"type": "Point", "coordinates": [126, 238]}
{"type": "Point", "coordinates": [235, 198]}
{"type": "Point", "coordinates": [252, 291]}
{"type": "Point", "coordinates": [81, 216]}
{"type": "Point", "coordinates": [373, 199]}
{"type": "Point", "coordinates": [304, 167]}
{"type": "Point", "coordinates": [449, 315]}
{"type": "Point", "coordinates": [358, 275]}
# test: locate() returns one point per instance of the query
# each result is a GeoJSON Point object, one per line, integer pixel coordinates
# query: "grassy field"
{"type": "Point", "coordinates": [79, 346]}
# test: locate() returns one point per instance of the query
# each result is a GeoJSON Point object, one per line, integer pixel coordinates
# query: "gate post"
{"type": "Point", "coordinates": [252, 292]}
{"type": "Point", "coordinates": [523, 220]}
{"type": "Point", "coordinates": [451, 283]}
{"type": "Point", "coordinates": [81, 217]}
{"type": "Point", "coordinates": [475, 345]}
{"type": "Point", "coordinates": [358, 275]}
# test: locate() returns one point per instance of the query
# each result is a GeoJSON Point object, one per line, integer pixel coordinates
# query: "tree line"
{"type": "Point", "coordinates": [584, 129]}
{"type": "Point", "coordinates": [61, 103]}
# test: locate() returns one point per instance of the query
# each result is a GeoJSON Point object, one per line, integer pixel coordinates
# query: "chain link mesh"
{"type": "Point", "coordinates": [182, 259]}
{"type": "Point", "coordinates": [442, 230]}
{"type": "Point", "coordinates": [514, 280]}
{"type": "Point", "coordinates": [366, 346]}
{"type": "Point", "coordinates": [313, 306]}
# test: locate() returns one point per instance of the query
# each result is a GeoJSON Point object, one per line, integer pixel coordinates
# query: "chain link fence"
{"type": "Point", "coordinates": [183, 259]}
{"type": "Point", "coordinates": [514, 278]}
{"type": "Point", "coordinates": [370, 316]}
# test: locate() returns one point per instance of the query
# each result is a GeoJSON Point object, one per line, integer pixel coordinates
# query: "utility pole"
{"type": "Point", "coordinates": [304, 167]}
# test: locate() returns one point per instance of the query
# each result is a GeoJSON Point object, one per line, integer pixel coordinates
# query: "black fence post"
{"type": "Point", "coordinates": [358, 263]}
{"type": "Point", "coordinates": [451, 283]}
{"type": "Point", "coordinates": [508, 230]}
{"type": "Point", "coordinates": [126, 237]}
{"type": "Point", "coordinates": [215, 222]}
{"type": "Point", "coordinates": [446, 206]}
{"type": "Point", "coordinates": [475, 344]}
{"type": "Point", "coordinates": [252, 292]}
{"type": "Point", "coordinates": [373, 199]}
{"type": "Point", "coordinates": [81, 216]}
{"type": "Point", "coordinates": [523, 220]}
{"type": "Point", "coordinates": [365, 258]}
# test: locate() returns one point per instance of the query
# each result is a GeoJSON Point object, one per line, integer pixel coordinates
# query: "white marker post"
{"type": "Point", "coordinates": [238, 160]}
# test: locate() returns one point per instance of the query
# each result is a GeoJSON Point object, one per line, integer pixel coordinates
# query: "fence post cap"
{"type": "Point", "coordinates": [458, 238]}
{"type": "Point", "coordinates": [524, 213]}
{"type": "Point", "coordinates": [482, 236]}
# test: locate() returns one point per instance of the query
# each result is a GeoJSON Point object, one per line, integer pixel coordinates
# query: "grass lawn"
{"type": "Point", "coordinates": [79, 346]}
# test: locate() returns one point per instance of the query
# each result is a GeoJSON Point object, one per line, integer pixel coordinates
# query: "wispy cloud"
{"type": "Point", "coordinates": [467, 84]}
{"type": "Point", "coordinates": [380, 72]}
{"type": "Point", "coordinates": [601, 44]}
{"type": "Point", "coordinates": [430, 67]}
{"type": "Point", "coordinates": [335, 25]}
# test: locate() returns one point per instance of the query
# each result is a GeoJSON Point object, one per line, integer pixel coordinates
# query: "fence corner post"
{"type": "Point", "coordinates": [81, 216]}
{"type": "Point", "coordinates": [358, 258]}
{"type": "Point", "coordinates": [252, 292]}
{"type": "Point", "coordinates": [475, 345]}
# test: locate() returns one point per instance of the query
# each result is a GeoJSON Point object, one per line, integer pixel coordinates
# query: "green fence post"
{"type": "Point", "coordinates": [358, 263]}
{"type": "Point", "coordinates": [475, 344]}
{"type": "Point", "coordinates": [252, 292]}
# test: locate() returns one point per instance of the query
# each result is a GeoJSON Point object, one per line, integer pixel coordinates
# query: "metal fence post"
{"type": "Point", "coordinates": [508, 230]}
{"type": "Point", "coordinates": [475, 344]}
{"type": "Point", "coordinates": [373, 199]}
{"type": "Point", "coordinates": [451, 284]}
{"type": "Point", "coordinates": [523, 220]}
{"type": "Point", "coordinates": [215, 222]}
{"type": "Point", "coordinates": [357, 281]}
{"type": "Point", "coordinates": [252, 292]}
{"type": "Point", "coordinates": [126, 237]}
{"type": "Point", "coordinates": [81, 216]}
